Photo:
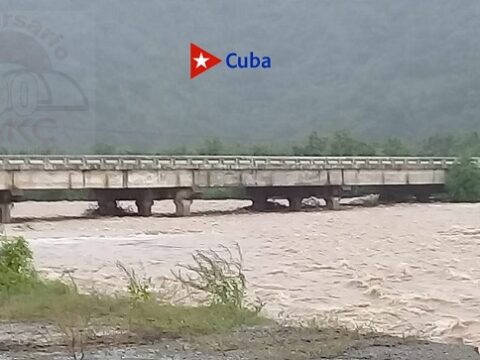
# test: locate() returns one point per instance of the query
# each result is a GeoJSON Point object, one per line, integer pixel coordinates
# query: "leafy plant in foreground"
{"type": "Point", "coordinates": [16, 256]}
{"type": "Point", "coordinates": [140, 290]}
{"type": "Point", "coordinates": [16, 263]}
{"type": "Point", "coordinates": [221, 278]}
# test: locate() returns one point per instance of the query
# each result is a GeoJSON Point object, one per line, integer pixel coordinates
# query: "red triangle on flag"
{"type": "Point", "coordinates": [201, 60]}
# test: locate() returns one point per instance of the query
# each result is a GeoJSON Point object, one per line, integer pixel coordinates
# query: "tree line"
{"type": "Point", "coordinates": [339, 143]}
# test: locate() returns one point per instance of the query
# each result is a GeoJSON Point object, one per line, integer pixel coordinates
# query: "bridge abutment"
{"type": "Point", "coordinates": [5, 207]}
{"type": "Point", "coordinates": [5, 213]}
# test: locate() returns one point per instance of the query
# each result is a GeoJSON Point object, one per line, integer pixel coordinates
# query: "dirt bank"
{"type": "Point", "coordinates": [266, 343]}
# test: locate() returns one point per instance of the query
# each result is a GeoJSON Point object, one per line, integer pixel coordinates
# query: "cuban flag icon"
{"type": "Point", "coordinates": [201, 60]}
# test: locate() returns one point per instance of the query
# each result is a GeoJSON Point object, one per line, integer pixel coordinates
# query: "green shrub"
{"type": "Point", "coordinates": [16, 265]}
{"type": "Point", "coordinates": [221, 278]}
{"type": "Point", "coordinates": [16, 256]}
{"type": "Point", "coordinates": [139, 290]}
{"type": "Point", "coordinates": [463, 181]}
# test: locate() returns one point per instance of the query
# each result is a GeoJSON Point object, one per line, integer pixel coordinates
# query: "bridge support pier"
{"type": "Point", "coordinates": [259, 198]}
{"type": "Point", "coordinates": [259, 203]}
{"type": "Point", "coordinates": [295, 202]}
{"type": "Point", "coordinates": [182, 207]}
{"type": "Point", "coordinates": [107, 207]}
{"type": "Point", "coordinates": [183, 200]}
{"type": "Point", "coordinates": [107, 203]}
{"type": "Point", "coordinates": [144, 203]}
{"type": "Point", "coordinates": [332, 197]}
{"type": "Point", "coordinates": [333, 202]}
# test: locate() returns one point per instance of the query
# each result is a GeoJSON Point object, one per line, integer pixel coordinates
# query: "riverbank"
{"type": "Point", "coordinates": [43, 319]}
{"type": "Point", "coordinates": [272, 342]}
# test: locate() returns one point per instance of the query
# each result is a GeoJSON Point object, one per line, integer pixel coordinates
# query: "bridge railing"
{"type": "Point", "coordinates": [111, 162]}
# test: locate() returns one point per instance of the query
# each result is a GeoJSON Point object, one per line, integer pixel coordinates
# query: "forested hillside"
{"type": "Point", "coordinates": [407, 69]}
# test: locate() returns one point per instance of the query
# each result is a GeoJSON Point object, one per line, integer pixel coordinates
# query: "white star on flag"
{"type": "Point", "coordinates": [201, 61]}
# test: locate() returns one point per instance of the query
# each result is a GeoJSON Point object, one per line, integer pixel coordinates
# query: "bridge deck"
{"type": "Point", "coordinates": [146, 178]}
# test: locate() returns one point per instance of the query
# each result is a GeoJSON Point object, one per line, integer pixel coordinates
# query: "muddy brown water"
{"type": "Point", "coordinates": [403, 269]}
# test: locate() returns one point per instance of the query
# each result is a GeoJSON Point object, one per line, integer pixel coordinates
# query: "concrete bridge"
{"type": "Point", "coordinates": [182, 178]}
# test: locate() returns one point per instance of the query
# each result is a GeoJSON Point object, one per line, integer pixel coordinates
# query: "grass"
{"type": "Point", "coordinates": [25, 297]}
{"type": "Point", "coordinates": [206, 327]}
{"type": "Point", "coordinates": [47, 304]}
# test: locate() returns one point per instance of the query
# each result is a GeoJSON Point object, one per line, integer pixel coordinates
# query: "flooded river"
{"type": "Point", "coordinates": [403, 269]}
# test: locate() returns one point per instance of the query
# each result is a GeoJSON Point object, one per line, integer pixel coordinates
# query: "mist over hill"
{"type": "Point", "coordinates": [379, 68]}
